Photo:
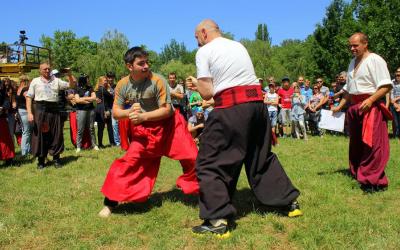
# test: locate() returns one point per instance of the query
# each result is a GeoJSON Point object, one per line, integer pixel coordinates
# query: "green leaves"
{"type": "Point", "coordinates": [182, 70]}
{"type": "Point", "coordinates": [86, 56]}
{"type": "Point", "coordinates": [378, 19]}
{"type": "Point", "coordinates": [324, 53]}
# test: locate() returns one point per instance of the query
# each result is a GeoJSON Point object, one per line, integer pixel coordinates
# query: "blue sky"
{"type": "Point", "coordinates": [155, 23]}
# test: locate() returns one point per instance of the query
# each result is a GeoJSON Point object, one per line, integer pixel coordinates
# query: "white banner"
{"type": "Point", "coordinates": [332, 121]}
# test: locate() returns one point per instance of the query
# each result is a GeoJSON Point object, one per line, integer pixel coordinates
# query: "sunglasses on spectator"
{"type": "Point", "coordinates": [397, 75]}
{"type": "Point", "coordinates": [319, 81]}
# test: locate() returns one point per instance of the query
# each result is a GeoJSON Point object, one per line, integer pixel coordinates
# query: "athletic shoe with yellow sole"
{"type": "Point", "coordinates": [221, 231]}
{"type": "Point", "coordinates": [294, 210]}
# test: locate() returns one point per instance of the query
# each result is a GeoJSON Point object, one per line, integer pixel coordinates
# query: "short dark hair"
{"type": "Point", "coordinates": [172, 74]}
{"type": "Point", "coordinates": [133, 53]}
{"type": "Point", "coordinates": [82, 80]}
{"type": "Point", "coordinates": [110, 74]}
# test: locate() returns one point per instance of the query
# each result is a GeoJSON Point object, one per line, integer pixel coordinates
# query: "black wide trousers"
{"type": "Point", "coordinates": [47, 135]}
{"type": "Point", "coordinates": [234, 136]}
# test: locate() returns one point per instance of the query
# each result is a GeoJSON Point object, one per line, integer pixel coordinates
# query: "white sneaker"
{"type": "Point", "coordinates": [78, 150]}
{"type": "Point", "coordinates": [96, 148]}
{"type": "Point", "coordinates": [105, 212]}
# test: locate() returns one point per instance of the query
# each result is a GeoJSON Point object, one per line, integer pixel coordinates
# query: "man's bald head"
{"type": "Point", "coordinates": [208, 25]}
{"type": "Point", "coordinates": [206, 31]}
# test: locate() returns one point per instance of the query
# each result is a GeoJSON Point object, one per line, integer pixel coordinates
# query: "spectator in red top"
{"type": "Point", "coordinates": [285, 95]}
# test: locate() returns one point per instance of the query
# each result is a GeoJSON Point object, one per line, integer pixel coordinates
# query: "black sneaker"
{"type": "Point", "coordinates": [57, 163]}
{"type": "Point", "coordinates": [40, 166]}
{"type": "Point", "coordinates": [9, 163]}
{"type": "Point", "coordinates": [294, 210]}
{"type": "Point", "coordinates": [41, 163]}
{"type": "Point", "coordinates": [369, 189]}
{"type": "Point", "coordinates": [221, 231]}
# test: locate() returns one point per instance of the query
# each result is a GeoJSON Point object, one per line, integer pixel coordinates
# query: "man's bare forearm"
{"type": "Point", "coordinates": [343, 101]}
{"type": "Point", "coordinates": [29, 105]}
{"type": "Point", "coordinates": [205, 88]}
{"type": "Point", "coordinates": [158, 114]}
{"type": "Point", "coordinates": [119, 113]}
{"type": "Point", "coordinates": [380, 93]}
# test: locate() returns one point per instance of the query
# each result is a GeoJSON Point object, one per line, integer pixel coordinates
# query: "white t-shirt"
{"type": "Point", "coordinates": [41, 90]}
{"type": "Point", "coordinates": [227, 62]}
{"type": "Point", "coordinates": [272, 98]}
{"type": "Point", "coordinates": [372, 73]}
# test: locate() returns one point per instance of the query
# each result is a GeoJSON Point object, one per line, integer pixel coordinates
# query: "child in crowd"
{"type": "Point", "coordinates": [195, 101]}
{"type": "Point", "coordinates": [196, 124]}
{"type": "Point", "coordinates": [271, 99]}
{"type": "Point", "coordinates": [298, 110]}
{"type": "Point", "coordinates": [314, 110]}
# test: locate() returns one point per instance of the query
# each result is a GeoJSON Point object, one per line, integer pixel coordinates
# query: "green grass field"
{"type": "Point", "coordinates": [57, 208]}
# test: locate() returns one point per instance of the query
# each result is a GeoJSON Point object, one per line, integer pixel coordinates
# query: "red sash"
{"type": "Point", "coordinates": [368, 119]}
{"type": "Point", "coordinates": [237, 95]}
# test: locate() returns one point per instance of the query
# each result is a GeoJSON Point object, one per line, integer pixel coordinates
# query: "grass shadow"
{"type": "Point", "coordinates": [5, 165]}
{"type": "Point", "coordinates": [246, 203]}
{"type": "Point", "coordinates": [17, 161]}
{"type": "Point", "coordinates": [69, 159]}
{"type": "Point", "coordinates": [343, 171]}
{"type": "Point", "coordinates": [156, 200]}
{"type": "Point", "coordinates": [25, 160]}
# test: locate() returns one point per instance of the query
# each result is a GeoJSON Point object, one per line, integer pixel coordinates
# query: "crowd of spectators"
{"type": "Point", "coordinates": [294, 108]}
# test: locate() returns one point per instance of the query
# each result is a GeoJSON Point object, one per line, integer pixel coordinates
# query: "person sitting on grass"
{"type": "Point", "coordinates": [196, 124]}
{"type": "Point", "coordinates": [195, 101]}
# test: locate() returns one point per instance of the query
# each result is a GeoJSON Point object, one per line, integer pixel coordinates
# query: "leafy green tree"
{"type": "Point", "coordinates": [66, 48]}
{"type": "Point", "coordinates": [330, 50]}
{"type": "Point", "coordinates": [228, 35]}
{"type": "Point", "coordinates": [109, 56]}
{"type": "Point", "coordinates": [260, 53]}
{"type": "Point", "coordinates": [173, 51]}
{"type": "Point", "coordinates": [155, 61]}
{"type": "Point", "coordinates": [380, 20]}
{"type": "Point", "coordinates": [262, 33]}
{"type": "Point", "coordinates": [291, 59]}
{"type": "Point", "coordinates": [182, 70]}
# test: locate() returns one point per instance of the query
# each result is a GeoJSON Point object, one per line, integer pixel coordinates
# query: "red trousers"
{"type": "Point", "coordinates": [367, 163]}
{"type": "Point", "coordinates": [7, 150]}
{"type": "Point", "coordinates": [73, 130]}
{"type": "Point", "coordinates": [125, 133]}
{"type": "Point", "coordinates": [132, 177]}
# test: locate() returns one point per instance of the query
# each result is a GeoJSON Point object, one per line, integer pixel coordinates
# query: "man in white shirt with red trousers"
{"type": "Point", "coordinates": [368, 81]}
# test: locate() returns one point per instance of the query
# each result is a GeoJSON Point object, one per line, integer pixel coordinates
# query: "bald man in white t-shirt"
{"type": "Point", "coordinates": [237, 132]}
{"type": "Point", "coordinates": [368, 81]}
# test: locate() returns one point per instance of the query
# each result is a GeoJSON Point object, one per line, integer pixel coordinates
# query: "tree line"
{"type": "Point", "coordinates": [324, 53]}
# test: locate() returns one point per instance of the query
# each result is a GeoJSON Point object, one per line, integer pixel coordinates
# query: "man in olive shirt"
{"type": "Point", "coordinates": [156, 131]}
